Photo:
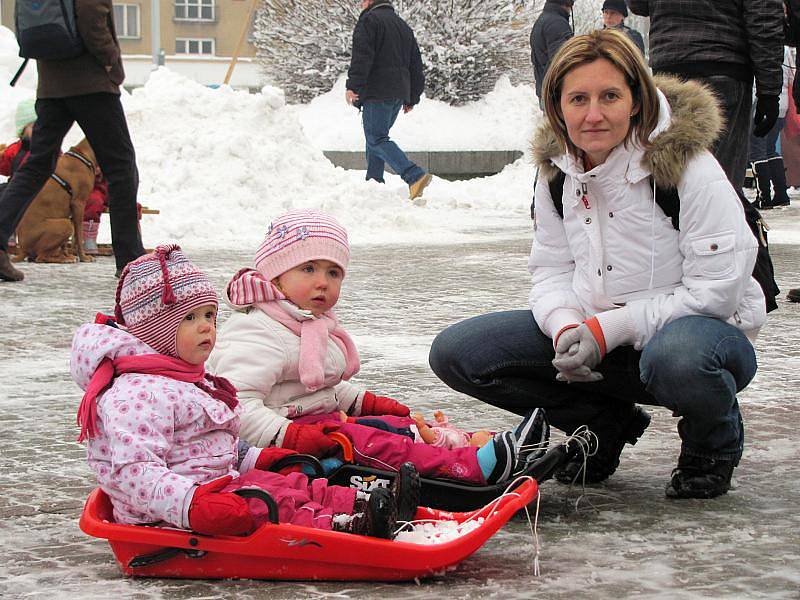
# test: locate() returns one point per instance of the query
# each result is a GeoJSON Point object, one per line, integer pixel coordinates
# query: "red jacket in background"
{"type": "Point", "coordinates": [10, 162]}
{"type": "Point", "coordinates": [97, 201]}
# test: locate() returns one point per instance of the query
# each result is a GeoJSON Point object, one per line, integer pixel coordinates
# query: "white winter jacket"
{"type": "Point", "coordinates": [260, 357]}
{"type": "Point", "coordinates": [618, 257]}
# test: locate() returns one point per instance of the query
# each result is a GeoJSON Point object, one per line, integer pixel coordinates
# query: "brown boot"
{"type": "Point", "coordinates": [415, 189]}
{"type": "Point", "coordinates": [7, 271]}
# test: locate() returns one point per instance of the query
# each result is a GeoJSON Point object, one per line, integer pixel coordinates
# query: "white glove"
{"type": "Point", "coordinates": [576, 348]}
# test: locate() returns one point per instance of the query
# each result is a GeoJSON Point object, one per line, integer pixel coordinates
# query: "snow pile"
{"type": "Point", "coordinates": [502, 120]}
{"type": "Point", "coordinates": [437, 532]}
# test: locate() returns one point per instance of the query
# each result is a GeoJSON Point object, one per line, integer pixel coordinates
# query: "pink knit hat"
{"type": "Point", "coordinates": [156, 291]}
{"type": "Point", "coordinates": [299, 236]}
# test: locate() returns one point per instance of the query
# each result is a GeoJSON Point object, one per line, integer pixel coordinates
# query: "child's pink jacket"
{"type": "Point", "coordinates": [158, 438]}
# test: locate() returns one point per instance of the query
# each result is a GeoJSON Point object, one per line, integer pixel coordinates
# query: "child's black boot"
{"type": "Point", "coordinates": [405, 491]}
{"type": "Point", "coordinates": [697, 477]}
{"type": "Point", "coordinates": [376, 517]}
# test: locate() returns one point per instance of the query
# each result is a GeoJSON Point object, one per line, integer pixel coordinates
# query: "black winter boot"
{"type": "Point", "coordinates": [697, 477]}
{"type": "Point", "coordinates": [602, 464]}
{"type": "Point", "coordinates": [7, 270]}
{"type": "Point", "coordinates": [376, 517]}
{"type": "Point", "coordinates": [793, 295]}
{"type": "Point", "coordinates": [777, 172]}
{"type": "Point", "coordinates": [405, 491]}
{"type": "Point", "coordinates": [761, 171]}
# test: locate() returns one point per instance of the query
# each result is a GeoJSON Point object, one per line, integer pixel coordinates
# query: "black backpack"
{"type": "Point", "coordinates": [47, 29]}
{"type": "Point", "coordinates": [791, 24]}
{"type": "Point", "coordinates": [670, 203]}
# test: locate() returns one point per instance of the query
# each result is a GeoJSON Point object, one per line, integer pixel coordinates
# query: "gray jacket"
{"type": "Point", "coordinates": [698, 38]}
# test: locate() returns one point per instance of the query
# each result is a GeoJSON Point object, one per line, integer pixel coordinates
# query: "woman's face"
{"type": "Point", "coordinates": [597, 106]}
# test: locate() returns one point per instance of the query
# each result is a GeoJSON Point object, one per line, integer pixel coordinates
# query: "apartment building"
{"type": "Point", "coordinates": [197, 38]}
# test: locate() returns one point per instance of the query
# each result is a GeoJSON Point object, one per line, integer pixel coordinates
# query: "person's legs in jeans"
{"type": "Point", "coordinates": [53, 121]}
{"type": "Point", "coordinates": [736, 103]}
{"type": "Point", "coordinates": [377, 118]}
{"type": "Point", "coordinates": [102, 119]}
{"type": "Point", "coordinates": [695, 366]}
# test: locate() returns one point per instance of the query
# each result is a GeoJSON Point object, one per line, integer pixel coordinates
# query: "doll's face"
{"type": "Point", "coordinates": [197, 334]}
{"type": "Point", "coordinates": [314, 285]}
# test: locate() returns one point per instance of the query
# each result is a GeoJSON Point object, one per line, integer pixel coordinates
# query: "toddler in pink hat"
{"type": "Point", "coordinates": [291, 362]}
{"type": "Point", "coordinates": [163, 434]}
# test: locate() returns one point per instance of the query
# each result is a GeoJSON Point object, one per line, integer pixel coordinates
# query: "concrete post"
{"type": "Point", "coordinates": [155, 33]}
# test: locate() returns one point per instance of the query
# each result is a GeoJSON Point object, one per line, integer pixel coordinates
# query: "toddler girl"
{"type": "Point", "coordinates": [162, 434]}
{"type": "Point", "coordinates": [291, 361]}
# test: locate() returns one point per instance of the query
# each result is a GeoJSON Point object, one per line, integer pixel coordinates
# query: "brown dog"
{"type": "Point", "coordinates": [56, 213]}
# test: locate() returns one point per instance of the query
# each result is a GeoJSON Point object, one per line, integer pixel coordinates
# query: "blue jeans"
{"type": "Point", "coordinates": [694, 366]}
{"type": "Point", "coordinates": [378, 117]}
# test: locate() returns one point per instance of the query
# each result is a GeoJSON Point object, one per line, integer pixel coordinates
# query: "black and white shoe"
{"type": "Point", "coordinates": [375, 517]}
{"type": "Point", "coordinates": [532, 436]}
{"type": "Point", "coordinates": [506, 457]}
{"type": "Point", "coordinates": [405, 490]}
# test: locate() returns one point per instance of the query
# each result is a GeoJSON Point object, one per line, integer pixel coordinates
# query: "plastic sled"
{"type": "Point", "coordinates": [291, 552]}
{"type": "Point", "coordinates": [445, 494]}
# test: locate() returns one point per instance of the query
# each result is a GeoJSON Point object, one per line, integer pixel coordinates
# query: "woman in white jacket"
{"type": "Point", "coordinates": [624, 307]}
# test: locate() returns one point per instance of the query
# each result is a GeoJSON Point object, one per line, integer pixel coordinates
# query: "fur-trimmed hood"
{"type": "Point", "coordinates": [689, 122]}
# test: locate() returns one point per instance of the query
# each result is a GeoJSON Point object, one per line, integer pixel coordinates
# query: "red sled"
{"type": "Point", "coordinates": [291, 552]}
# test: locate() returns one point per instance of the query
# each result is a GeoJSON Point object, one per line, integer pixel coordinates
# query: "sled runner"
{"type": "Point", "coordinates": [447, 494]}
{"type": "Point", "coordinates": [291, 552]}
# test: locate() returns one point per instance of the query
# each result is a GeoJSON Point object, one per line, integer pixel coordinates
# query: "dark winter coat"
{"type": "Point", "coordinates": [86, 73]}
{"type": "Point", "coordinates": [698, 38]}
{"type": "Point", "coordinates": [550, 31]}
{"type": "Point", "coordinates": [634, 36]}
{"type": "Point", "coordinates": [386, 63]}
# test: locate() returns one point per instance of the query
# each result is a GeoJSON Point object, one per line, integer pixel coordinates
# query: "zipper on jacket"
{"type": "Point", "coordinates": [585, 196]}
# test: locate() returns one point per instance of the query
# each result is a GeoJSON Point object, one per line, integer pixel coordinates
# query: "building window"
{"type": "Point", "coordinates": [194, 10]}
{"type": "Point", "coordinates": [202, 47]}
{"type": "Point", "coordinates": [126, 20]}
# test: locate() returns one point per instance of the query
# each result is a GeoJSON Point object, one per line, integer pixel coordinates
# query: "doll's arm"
{"type": "Point", "coordinates": [427, 434]}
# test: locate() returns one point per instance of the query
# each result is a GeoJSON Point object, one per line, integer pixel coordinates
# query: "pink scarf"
{"type": "Point", "coordinates": [250, 288]}
{"type": "Point", "coordinates": [148, 364]}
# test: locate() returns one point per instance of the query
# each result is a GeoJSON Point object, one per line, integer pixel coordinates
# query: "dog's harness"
{"type": "Point", "coordinates": [63, 182]}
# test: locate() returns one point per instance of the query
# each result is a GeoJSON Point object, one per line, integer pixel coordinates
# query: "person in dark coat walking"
{"type": "Point", "coordinates": [724, 45]}
{"type": "Point", "coordinates": [614, 13]}
{"type": "Point", "coordinates": [551, 29]}
{"type": "Point", "coordinates": [83, 89]}
{"type": "Point", "coordinates": [385, 75]}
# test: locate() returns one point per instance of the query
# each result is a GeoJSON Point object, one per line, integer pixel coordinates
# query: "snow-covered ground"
{"type": "Point", "coordinates": [219, 164]}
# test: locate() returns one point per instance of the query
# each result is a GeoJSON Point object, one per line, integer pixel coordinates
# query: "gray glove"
{"type": "Point", "coordinates": [576, 348]}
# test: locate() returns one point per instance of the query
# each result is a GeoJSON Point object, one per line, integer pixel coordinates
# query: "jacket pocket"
{"type": "Point", "coordinates": [715, 254]}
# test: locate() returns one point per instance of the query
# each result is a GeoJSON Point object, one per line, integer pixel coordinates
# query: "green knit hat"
{"type": "Point", "coordinates": [26, 113]}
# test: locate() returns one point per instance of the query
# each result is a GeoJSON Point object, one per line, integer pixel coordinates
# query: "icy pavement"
{"type": "Point", "coordinates": [632, 543]}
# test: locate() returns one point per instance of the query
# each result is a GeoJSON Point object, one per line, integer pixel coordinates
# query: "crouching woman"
{"type": "Point", "coordinates": [626, 306]}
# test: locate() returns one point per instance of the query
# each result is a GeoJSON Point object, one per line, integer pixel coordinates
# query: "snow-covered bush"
{"type": "Point", "coordinates": [466, 45]}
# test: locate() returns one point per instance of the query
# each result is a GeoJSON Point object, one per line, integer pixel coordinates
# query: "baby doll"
{"type": "Point", "coordinates": [290, 360]}
{"type": "Point", "coordinates": [443, 434]}
{"type": "Point", "coordinates": [162, 434]}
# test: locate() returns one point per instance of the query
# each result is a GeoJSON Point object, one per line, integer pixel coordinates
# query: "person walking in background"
{"type": "Point", "coordinates": [550, 30]}
{"type": "Point", "coordinates": [614, 13]}
{"type": "Point", "coordinates": [724, 45]}
{"type": "Point", "coordinates": [83, 89]}
{"type": "Point", "coordinates": [385, 75]}
{"type": "Point", "coordinates": [765, 156]}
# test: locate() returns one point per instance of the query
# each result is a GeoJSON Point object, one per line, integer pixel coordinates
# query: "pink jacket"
{"type": "Point", "coordinates": [158, 437]}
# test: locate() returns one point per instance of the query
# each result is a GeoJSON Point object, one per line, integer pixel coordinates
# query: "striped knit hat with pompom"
{"type": "Point", "coordinates": [156, 291]}
{"type": "Point", "coordinates": [299, 236]}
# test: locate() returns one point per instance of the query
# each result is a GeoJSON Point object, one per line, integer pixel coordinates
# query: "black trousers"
{"type": "Point", "coordinates": [102, 120]}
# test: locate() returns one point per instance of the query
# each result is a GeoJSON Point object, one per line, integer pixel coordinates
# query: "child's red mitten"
{"type": "Point", "coordinates": [219, 513]}
{"type": "Point", "coordinates": [311, 439]}
{"type": "Point", "coordinates": [381, 405]}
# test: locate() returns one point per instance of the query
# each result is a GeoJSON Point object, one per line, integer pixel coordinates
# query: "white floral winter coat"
{"type": "Point", "coordinates": [261, 357]}
{"type": "Point", "coordinates": [158, 437]}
